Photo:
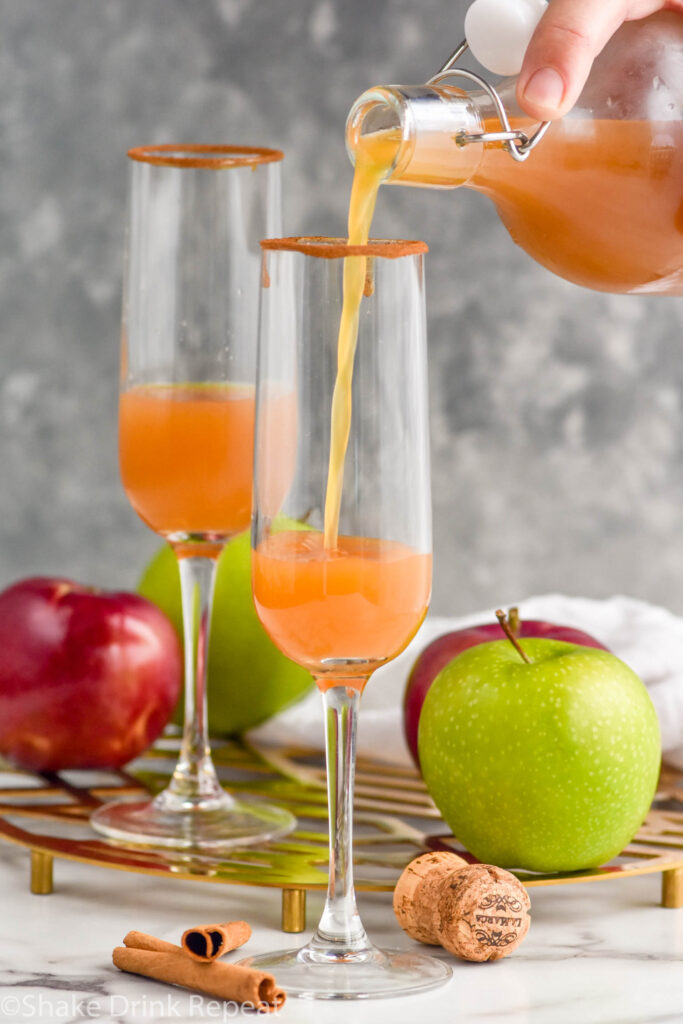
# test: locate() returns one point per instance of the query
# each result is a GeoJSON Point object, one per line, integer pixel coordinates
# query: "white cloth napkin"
{"type": "Point", "coordinates": [646, 637]}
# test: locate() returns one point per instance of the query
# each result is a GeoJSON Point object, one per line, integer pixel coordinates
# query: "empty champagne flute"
{"type": "Point", "coordinates": [186, 422]}
{"type": "Point", "coordinates": [341, 562]}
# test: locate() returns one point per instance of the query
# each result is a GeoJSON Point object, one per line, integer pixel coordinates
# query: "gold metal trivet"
{"type": "Point", "coordinates": [394, 821]}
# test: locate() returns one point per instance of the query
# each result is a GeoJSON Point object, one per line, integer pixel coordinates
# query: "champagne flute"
{"type": "Point", "coordinates": [186, 421]}
{"type": "Point", "coordinates": [342, 591]}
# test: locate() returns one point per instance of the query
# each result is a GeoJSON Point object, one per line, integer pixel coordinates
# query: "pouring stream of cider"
{"type": "Point", "coordinates": [374, 157]}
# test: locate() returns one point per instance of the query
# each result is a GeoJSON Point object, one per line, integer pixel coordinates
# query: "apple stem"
{"type": "Point", "coordinates": [513, 619]}
{"type": "Point", "coordinates": [506, 627]}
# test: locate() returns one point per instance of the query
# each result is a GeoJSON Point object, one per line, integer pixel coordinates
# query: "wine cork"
{"type": "Point", "coordinates": [477, 912]}
{"type": "Point", "coordinates": [417, 891]}
{"type": "Point", "coordinates": [483, 913]}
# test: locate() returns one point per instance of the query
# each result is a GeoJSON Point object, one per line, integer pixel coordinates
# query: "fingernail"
{"type": "Point", "coordinates": [545, 88]}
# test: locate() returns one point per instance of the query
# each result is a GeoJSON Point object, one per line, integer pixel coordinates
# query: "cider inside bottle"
{"type": "Point", "coordinates": [599, 201]}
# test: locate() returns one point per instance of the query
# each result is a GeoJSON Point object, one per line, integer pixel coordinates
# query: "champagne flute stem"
{"type": "Point", "coordinates": [194, 780]}
{"type": "Point", "coordinates": [340, 930]}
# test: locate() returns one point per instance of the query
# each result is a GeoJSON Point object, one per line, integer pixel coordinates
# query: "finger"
{"type": "Point", "coordinates": [558, 59]}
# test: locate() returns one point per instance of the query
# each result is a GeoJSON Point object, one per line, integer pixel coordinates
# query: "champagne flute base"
{"type": "Point", "coordinates": [218, 826]}
{"type": "Point", "coordinates": [369, 973]}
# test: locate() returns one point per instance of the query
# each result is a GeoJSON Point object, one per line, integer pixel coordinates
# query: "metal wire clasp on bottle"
{"type": "Point", "coordinates": [517, 143]}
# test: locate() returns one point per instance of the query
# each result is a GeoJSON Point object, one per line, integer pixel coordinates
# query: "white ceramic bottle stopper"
{"type": "Point", "coordinates": [498, 32]}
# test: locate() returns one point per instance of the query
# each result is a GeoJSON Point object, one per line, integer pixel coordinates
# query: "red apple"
{"type": "Point", "coordinates": [441, 651]}
{"type": "Point", "coordinates": [88, 679]}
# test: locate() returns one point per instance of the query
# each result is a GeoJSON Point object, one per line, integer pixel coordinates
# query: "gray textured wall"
{"type": "Point", "coordinates": [557, 414]}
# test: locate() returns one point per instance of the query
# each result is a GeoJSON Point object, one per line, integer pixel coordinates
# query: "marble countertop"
{"type": "Point", "coordinates": [600, 953]}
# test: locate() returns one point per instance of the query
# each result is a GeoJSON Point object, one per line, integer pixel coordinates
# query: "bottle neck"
{"type": "Point", "coordinates": [413, 131]}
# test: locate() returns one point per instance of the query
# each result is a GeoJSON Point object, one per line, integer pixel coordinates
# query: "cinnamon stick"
{"type": "Point", "coordinates": [222, 981]}
{"type": "Point", "coordinates": [208, 942]}
{"type": "Point", "coordinates": [140, 940]}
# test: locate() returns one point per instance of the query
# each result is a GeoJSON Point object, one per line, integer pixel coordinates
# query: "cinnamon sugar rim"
{"type": "Point", "coordinates": [199, 155]}
{"type": "Point", "coordinates": [338, 248]}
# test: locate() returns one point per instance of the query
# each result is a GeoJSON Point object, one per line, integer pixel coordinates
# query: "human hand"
{"type": "Point", "coordinates": [569, 36]}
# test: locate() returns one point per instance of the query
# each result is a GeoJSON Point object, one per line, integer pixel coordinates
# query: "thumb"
{"type": "Point", "coordinates": [558, 59]}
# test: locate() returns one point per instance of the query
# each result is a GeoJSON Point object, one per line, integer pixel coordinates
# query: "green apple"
{"type": "Point", "coordinates": [249, 679]}
{"type": "Point", "coordinates": [549, 765]}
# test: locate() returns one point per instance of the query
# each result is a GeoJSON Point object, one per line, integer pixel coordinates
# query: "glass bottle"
{"type": "Point", "coordinates": [596, 197]}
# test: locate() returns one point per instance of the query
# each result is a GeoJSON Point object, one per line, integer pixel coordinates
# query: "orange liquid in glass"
{"type": "Point", "coordinates": [186, 454]}
{"type": "Point", "coordinates": [343, 612]}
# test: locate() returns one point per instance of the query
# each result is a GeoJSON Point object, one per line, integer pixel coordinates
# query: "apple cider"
{"type": "Point", "coordinates": [367, 597]}
{"type": "Point", "coordinates": [186, 455]}
{"type": "Point", "coordinates": [371, 168]}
